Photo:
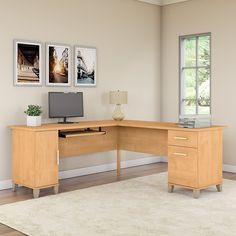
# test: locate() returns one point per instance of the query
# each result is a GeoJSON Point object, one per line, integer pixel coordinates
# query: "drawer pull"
{"type": "Point", "coordinates": [180, 154]}
{"type": "Point", "coordinates": [180, 138]}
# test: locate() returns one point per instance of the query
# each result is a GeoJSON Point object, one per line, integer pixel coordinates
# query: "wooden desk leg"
{"type": "Point", "coordinates": [196, 193]}
{"type": "Point", "coordinates": [56, 189]}
{"type": "Point", "coordinates": [171, 188]}
{"type": "Point", "coordinates": [219, 187]}
{"type": "Point", "coordinates": [36, 192]}
{"type": "Point", "coordinates": [14, 187]}
{"type": "Point", "coordinates": [118, 162]}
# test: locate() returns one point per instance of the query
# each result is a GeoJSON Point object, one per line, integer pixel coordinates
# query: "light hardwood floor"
{"type": "Point", "coordinates": [7, 196]}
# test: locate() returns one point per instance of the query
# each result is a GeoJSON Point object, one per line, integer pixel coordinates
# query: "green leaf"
{"type": "Point", "coordinates": [33, 110]}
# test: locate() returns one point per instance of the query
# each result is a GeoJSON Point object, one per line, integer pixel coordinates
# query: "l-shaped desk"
{"type": "Point", "coordinates": [194, 155]}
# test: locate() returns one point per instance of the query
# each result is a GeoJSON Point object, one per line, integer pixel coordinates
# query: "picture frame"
{"type": "Point", "coordinates": [85, 66]}
{"type": "Point", "coordinates": [28, 66]}
{"type": "Point", "coordinates": [58, 64]}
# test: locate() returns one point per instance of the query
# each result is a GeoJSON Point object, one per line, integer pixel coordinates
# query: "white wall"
{"type": "Point", "coordinates": [199, 16]}
{"type": "Point", "coordinates": [126, 34]}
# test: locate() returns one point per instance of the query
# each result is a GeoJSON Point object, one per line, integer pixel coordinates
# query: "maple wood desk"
{"type": "Point", "coordinates": [195, 155]}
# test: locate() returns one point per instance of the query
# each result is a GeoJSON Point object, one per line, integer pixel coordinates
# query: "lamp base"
{"type": "Point", "coordinates": [118, 114]}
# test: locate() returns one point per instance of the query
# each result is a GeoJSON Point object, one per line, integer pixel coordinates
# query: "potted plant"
{"type": "Point", "coordinates": [33, 113]}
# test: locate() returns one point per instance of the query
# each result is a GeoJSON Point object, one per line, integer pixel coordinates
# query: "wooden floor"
{"type": "Point", "coordinates": [7, 196]}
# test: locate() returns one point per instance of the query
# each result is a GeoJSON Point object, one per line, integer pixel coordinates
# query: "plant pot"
{"type": "Point", "coordinates": [34, 120]}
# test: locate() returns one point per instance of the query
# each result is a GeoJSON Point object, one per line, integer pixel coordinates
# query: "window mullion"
{"type": "Point", "coordinates": [182, 55]}
{"type": "Point", "coordinates": [194, 67]}
{"type": "Point", "coordinates": [210, 73]}
{"type": "Point", "coordinates": [197, 45]}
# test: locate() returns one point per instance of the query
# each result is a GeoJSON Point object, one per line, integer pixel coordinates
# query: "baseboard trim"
{"type": "Point", "coordinates": [107, 167]}
{"type": "Point", "coordinates": [6, 184]}
{"type": "Point", "coordinates": [229, 168]}
{"type": "Point", "coordinates": [226, 168]}
{"type": "Point", "coordinates": [164, 159]}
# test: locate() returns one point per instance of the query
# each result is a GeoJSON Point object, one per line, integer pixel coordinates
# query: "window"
{"type": "Point", "coordinates": [195, 74]}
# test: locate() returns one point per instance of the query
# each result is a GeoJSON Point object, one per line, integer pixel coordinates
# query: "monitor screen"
{"type": "Point", "coordinates": [62, 105]}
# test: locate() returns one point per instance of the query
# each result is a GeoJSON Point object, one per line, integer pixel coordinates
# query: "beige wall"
{"type": "Point", "coordinates": [199, 16]}
{"type": "Point", "coordinates": [126, 34]}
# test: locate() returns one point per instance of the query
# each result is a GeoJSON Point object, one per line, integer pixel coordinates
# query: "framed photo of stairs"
{"type": "Point", "coordinates": [27, 63]}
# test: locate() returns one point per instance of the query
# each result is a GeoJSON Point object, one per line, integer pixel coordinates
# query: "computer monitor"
{"type": "Point", "coordinates": [64, 105]}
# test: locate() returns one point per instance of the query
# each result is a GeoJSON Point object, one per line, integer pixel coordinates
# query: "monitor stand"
{"type": "Point", "coordinates": [65, 121]}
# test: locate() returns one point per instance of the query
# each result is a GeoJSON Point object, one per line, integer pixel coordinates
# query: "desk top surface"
{"type": "Point", "coordinates": [111, 123]}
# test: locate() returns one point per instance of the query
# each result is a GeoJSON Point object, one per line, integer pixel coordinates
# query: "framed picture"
{"type": "Point", "coordinates": [58, 65]}
{"type": "Point", "coordinates": [27, 63]}
{"type": "Point", "coordinates": [85, 66]}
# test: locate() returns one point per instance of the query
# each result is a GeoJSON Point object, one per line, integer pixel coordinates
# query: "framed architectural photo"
{"type": "Point", "coordinates": [85, 66]}
{"type": "Point", "coordinates": [58, 65]}
{"type": "Point", "coordinates": [27, 63]}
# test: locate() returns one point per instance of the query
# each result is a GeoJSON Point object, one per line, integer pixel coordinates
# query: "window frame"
{"type": "Point", "coordinates": [196, 67]}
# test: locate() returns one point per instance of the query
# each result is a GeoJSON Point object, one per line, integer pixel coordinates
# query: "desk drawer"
{"type": "Point", "coordinates": [182, 138]}
{"type": "Point", "coordinates": [182, 166]}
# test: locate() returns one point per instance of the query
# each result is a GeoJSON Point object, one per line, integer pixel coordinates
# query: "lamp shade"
{"type": "Point", "coordinates": [118, 97]}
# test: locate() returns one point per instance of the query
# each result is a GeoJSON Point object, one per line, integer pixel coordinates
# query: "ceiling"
{"type": "Point", "coordinates": [162, 2]}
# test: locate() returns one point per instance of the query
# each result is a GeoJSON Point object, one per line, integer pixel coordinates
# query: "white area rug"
{"type": "Point", "coordinates": [135, 207]}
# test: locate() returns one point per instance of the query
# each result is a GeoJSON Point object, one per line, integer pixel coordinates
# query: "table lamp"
{"type": "Point", "coordinates": [118, 98]}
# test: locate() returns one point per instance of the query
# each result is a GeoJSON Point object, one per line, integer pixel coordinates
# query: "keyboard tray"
{"type": "Point", "coordinates": [77, 133]}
